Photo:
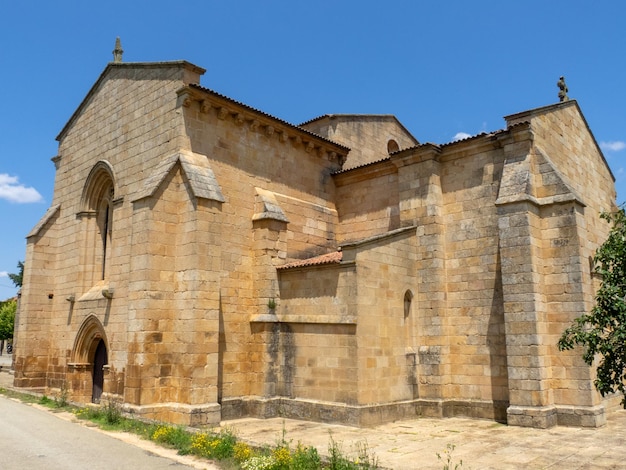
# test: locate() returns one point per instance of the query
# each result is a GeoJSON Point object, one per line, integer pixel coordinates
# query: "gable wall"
{"type": "Point", "coordinates": [571, 237]}
{"type": "Point", "coordinates": [130, 121]}
{"type": "Point", "coordinates": [366, 136]}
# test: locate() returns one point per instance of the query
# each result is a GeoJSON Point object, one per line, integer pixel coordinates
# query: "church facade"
{"type": "Point", "coordinates": [202, 261]}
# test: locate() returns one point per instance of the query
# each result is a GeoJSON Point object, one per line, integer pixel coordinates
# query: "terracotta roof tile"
{"type": "Point", "coordinates": [384, 159]}
{"type": "Point", "coordinates": [329, 258]}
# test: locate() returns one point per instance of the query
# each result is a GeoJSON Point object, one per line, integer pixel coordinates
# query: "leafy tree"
{"type": "Point", "coordinates": [17, 278]}
{"type": "Point", "coordinates": [7, 319]}
{"type": "Point", "coordinates": [602, 332]}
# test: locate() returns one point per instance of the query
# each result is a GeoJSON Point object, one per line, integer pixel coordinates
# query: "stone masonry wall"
{"type": "Point", "coordinates": [387, 337]}
{"type": "Point", "coordinates": [572, 235]}
{"type": "Point", "coordinates": [128, 121]}
{"type": "Point", "coordinates": [367, 135]}
{"type": "Point", "coordinates": [318, 307]}
{"type": "Point", "coordinates": [31, 351]}
{"type": "Point", "coordinates": [461, 264]}
{"type": "Point", "coordinates": [474, 323]}
{"type": "Point", "coordinates": [367, 202]}
{"type": "Point", "coordinates": [252, 160]}
{"type": "Point", "coordinates": [174, 306]}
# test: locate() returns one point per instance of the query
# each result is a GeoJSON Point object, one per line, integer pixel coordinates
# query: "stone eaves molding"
{"type": "Point", "coordinates": [375, 238]}
{"type": "Point", "coordinates": [517, 183]}
{"type": "Point", "coordinates": [270, 209]}
{"type": "Point", "coordinates": [201, 178]}
{"type": "Point", "coordinates": [51, 212]}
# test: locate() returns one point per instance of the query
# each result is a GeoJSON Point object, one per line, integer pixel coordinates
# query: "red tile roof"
{"type": "Point", "coordinates": [329, 258]}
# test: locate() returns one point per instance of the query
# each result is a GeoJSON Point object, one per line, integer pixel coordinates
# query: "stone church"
{"type": "Point", "coordinates": [203, 260]}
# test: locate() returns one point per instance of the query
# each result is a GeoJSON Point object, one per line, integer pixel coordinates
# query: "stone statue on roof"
{"type": "Point", "coordinates": [562, 89]}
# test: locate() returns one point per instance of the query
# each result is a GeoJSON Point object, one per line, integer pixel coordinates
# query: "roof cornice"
{"type": "Point", "coordinates": [226, 107]}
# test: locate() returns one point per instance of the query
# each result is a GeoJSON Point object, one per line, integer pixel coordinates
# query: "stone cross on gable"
{"type": "Point", "coordinates": [118, 51]}
{"type": "Point", "coordinates": [562, 89]}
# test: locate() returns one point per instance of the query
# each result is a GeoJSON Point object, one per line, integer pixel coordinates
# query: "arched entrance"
{"type": "Point", "coordinates": [99, 361]}
{"type": "Point", "coordinates": [90, 353]}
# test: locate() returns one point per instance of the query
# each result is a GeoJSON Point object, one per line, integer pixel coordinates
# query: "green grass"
{"type": "Point", "coordinates": [23, 397]}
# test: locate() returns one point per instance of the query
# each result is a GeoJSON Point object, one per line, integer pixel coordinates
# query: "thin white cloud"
{"type": "Point", "coordinates": [4, 274]}
{"type": "Point", "coordinates": [461, 136]}
{"type": "Point", "coordinates": [13, 191]}
{"type": "Point", "coordinates": [614, 146]}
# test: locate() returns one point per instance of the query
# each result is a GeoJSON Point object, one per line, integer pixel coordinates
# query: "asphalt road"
{"type": "Point", "coordinates": [33, 438]}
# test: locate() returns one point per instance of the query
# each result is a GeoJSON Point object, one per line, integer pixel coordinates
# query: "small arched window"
{"type": "Point", "coordinates": [392, 146]}
{"type": "Point", "coordinates": [409, 323]}
{"type": "Point", "coordinates": [408, 300]}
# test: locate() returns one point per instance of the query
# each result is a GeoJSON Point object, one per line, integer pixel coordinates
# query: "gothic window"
{"type": "Point", "coordinates": [97, 220]}
{"type": "Point", "coordinates": [104, 227]}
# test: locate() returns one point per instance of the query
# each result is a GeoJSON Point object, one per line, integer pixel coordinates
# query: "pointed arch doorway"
{"type": "Point", "coordinates": [99, 361]}
{"type": "Point", "coordinates": [90, 352]}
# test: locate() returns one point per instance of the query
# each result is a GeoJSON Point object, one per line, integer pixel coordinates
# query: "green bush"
{"type": "Point", "coordinates": [173, 436]}
{"type": "Point", "coordinates": [214, 445]}
{"type": "Point", "coordinates": [305, 458]}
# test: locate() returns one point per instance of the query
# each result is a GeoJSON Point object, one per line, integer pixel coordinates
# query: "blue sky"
{"type": "Point", "coordinates": [444, 68]}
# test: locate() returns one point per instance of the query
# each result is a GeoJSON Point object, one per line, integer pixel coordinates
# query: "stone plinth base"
{"type": "Point", "coordinates": [30, 383]}
{"type": "Point", "coordinates": [583, 416]}
{"type": "Point", "coordinates": [176, 413]}
{"type": "Point", "coordinates": [359, 415]}
{"type": "Point", "coordinates": [548, 416]}
{"type": "Point", "coordinates": [532, 416]}
{"type": "Point", "coordinates": [493, 410]}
